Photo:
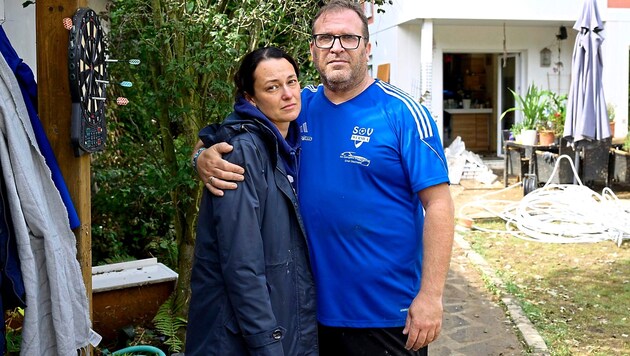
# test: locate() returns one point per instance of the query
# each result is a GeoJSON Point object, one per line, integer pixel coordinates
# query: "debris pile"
{"type": "Point", "coordinates": [464, 164]}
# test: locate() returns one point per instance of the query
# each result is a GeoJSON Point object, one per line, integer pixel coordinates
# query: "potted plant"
{"type": "Point", "coordinates": [532, 105]}
{"type": "Point", "coordinates": [610, 110]}
{"type": "Point", "coordinates": [546, 136]}
{"type": "Point", "coordinates": [555, 114]}
{"type": "Point", "coordinates": [516, 130]}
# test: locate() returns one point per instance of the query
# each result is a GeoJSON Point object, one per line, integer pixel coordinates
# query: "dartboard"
{"type": "Point", "coordinates": [88, 80]}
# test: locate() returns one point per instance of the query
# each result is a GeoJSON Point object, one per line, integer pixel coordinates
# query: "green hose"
{"type": "Point", "coordinates": [139, 348]}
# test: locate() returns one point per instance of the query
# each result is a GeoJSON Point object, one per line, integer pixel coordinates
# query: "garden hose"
{"type": "Point", "coordinates": [558, 213]}
{"type": "Point", "coordinates": [134, 350]}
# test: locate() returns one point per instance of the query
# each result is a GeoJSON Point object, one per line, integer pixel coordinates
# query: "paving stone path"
{"type": "Point", "coordinates": [474, 321]}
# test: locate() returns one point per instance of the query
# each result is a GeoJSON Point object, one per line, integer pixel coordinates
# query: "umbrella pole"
{"type": "Point", "coordinates": [577, 164]}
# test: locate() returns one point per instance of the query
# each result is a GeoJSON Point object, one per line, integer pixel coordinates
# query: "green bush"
{"type": "Point", "coordinates": [145, 194]}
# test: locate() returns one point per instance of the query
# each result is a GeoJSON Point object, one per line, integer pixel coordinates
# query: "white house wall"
{"type": "Point", "coordinates": [528, 41]}
{"type": "Point", "coordinates": [409, 55]}
{"type": "Point", "coordinates": [19, 26]}
{"type": "Point", "coordinates": [517, 10]}
{"type": "Point", "coordinates": [615, 53]}
{"type": "Point", "coordinates": [477, 27]}
{"type": "Point", "coordinates": [404, 42]}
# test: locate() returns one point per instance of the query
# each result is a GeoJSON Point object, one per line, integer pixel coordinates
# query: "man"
{"type": "Point", "coordinates": [372, 163]}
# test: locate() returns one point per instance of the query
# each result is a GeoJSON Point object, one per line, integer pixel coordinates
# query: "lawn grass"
{"type": "Point", "coordinates": [576, 295]}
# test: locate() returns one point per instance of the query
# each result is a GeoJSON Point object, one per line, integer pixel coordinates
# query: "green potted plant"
{"type": "Point", "coordinates": [553, 125]}
{"type": "Point", "coordinates": [610, 110]}
{"type": "Point", "coordinates": [516, 130]}
{"type": "Point", "coordinates": [557, 112]}
{"type": "Point", "coordinates": [532, 105]}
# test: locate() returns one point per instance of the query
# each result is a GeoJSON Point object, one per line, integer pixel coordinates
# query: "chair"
{"type": "Point", "coordinates": [594, 162]}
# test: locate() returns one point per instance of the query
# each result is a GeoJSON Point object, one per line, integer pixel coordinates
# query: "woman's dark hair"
{"type": "Point", "coordinates": [244, 78]}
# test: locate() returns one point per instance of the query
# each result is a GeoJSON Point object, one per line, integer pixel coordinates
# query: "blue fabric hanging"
{"type": "Point", "coordinates": [26, 79]}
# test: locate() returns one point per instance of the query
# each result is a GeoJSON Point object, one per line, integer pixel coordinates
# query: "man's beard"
{"type": "Point", "coordinates": [339, 81]}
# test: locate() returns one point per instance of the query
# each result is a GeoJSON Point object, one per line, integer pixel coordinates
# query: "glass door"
{"type": "Point", "coordinates": [508, 77]}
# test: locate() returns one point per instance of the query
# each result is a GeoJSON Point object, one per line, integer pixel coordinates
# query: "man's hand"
{"type": "Point", "coordinates": [424, 321]}
{"type": "Point", "coordinates": [424, 318]}
{"type": "Point", "coordinates": [217, 173]}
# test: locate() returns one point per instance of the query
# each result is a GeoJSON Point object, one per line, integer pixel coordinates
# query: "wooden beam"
{"type": "Point", "coordinates": [54, 105]}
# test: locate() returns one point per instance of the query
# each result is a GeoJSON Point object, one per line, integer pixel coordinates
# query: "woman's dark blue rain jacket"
{"type": "Point", "coordinates": [252, 287]}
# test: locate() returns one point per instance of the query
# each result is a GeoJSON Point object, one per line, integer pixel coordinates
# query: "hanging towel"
{"type": "Point", "coordinates": [56, 320]}
{"type": "Point", "coordinates": [28, 86]}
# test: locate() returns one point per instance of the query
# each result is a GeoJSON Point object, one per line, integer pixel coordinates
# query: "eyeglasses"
{"type": "Point", "coordinates": [326, 41]}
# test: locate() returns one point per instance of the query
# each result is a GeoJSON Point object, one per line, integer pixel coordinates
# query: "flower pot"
{"type": "Point", "coordinates": [529, 137]}
{"type": "Point", "coordinates": [546, 137]}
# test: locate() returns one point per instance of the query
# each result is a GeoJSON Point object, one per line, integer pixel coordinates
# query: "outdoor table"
{"type": "Point", "coordinates": [526, 153]}
{"type": "Point", "coordinates": [593, 166]}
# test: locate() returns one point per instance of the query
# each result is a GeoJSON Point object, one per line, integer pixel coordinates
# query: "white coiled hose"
{"type": "Point", "coordinates": [559, 213]}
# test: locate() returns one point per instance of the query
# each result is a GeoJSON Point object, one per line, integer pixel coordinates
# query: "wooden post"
{"type": "Point", "coordinates": [55, 109]}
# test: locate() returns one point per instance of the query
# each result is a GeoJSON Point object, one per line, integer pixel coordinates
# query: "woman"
{"type": "Point", "coordinates": [252, 288]}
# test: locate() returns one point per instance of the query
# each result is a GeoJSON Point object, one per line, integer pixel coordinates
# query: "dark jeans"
{"type": "Point", "coordinates": [335, 341]}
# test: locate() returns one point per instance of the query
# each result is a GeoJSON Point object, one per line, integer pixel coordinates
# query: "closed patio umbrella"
{"type": "Point", "coordinates": [587, 119]}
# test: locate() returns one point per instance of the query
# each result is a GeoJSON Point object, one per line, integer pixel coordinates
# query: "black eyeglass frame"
{"type": "Point", "coordinates": [335, 38]}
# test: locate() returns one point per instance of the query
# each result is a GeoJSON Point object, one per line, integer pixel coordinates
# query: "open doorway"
{"type": "Point", "coordinates": [475, 93]}
{"type": "Point", "coordinates": [469, 96]}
